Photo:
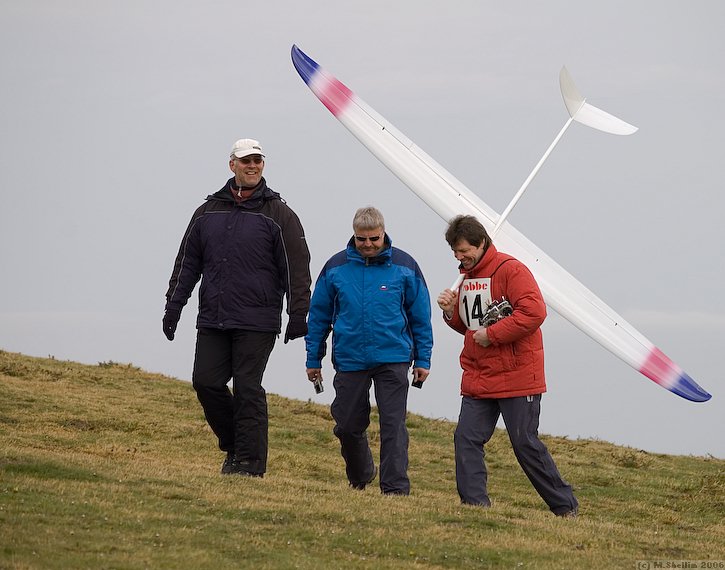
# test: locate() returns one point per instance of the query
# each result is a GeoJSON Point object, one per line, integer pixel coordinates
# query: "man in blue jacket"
{"type": "Point", "coordinates": [249, 249]}
{"type": "Point", "coordinates": [374, 299]}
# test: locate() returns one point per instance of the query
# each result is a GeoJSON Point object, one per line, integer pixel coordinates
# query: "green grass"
{"type": "Point", "coordinates": [109, 466]}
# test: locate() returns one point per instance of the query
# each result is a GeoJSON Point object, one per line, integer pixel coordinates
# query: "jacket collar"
{"type": "Point", "coordinates": [261, 194]}
{"type": "Point", "coordinates": [484, 263]}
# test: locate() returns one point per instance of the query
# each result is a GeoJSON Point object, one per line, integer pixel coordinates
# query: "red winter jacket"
{"type": "Point", "coordinates": [513, 364]}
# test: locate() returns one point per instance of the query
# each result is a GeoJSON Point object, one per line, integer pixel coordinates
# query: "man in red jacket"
{"type": "Point", "coordinates": [503, 365]}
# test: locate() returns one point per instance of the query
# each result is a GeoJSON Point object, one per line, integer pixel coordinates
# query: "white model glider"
{"type": "Point", "coordinates": [448, 197]}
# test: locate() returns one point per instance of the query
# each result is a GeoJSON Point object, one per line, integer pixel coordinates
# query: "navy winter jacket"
{"type": "Point", "coordinates": [377, 308]}
{"type": "Point", "coordinates": [249, 255]}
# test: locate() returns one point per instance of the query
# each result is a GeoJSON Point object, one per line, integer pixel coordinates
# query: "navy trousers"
{"type": "Point", "coordinates": [238, 418]}
{"type": "Point", "coordinates": [351, 411]}
{"type": "Point", "coordinates": [476, 424]}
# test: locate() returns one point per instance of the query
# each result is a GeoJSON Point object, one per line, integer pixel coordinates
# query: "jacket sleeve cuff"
{"type": "Point", "coordinates": [492, 336]}
{"type": "Point", "coordinates": [173, 308]}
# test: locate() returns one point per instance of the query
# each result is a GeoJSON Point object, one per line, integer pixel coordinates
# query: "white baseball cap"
{"type": "Point", "coordinates": [245, 147]}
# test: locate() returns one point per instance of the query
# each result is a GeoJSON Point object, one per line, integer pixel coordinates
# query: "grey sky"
{"type": "Point", "coordinates": [118, 117]}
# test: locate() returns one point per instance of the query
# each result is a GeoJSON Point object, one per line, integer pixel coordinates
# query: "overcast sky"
{"type": "Point", "coordinates": [118, 118]}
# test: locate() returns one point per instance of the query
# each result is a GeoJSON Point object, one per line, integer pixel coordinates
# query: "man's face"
{"type": "Point", "coordinates": [370, 242]}
{"type": "Point", "coordinates": [247, 170]}
{"type": "Point", "coordinates": [468, 255]}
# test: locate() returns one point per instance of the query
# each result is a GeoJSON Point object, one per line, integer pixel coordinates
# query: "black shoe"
{"type": "Point", "coordinates": [480, 505]}
{"type": "Point", "coordinates": [361, 486]}
{"type": "Point", "coordinates": [228, 463]}
{"type": "Point", "coordinates": [242, 467]}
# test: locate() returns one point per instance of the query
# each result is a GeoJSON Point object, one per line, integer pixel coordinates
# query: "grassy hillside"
{"type": "Point", "coordinates": [109, 466]}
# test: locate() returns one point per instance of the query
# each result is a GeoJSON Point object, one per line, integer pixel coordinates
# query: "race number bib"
{"type": "Point", "coordinates": [474, 297]}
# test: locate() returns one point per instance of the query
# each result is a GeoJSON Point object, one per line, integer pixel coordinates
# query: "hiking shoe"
{"type": "Point", "coordinates": [394, 493]}
{"type": "Point", "coordinates": [361, 486]}
{"type": "Point", "coordinates": [572, 514]}
{"type": "Point", "coordinates": [486, 505]}
{"type": "Point", "coordinates": [228, 463]}
{"type": "Point", "coordinates": [242, 467]}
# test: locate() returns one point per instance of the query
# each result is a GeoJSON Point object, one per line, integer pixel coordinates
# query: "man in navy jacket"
{"type": "Point", "coordinates": [374, 299]}
{"type": "Point", "coordinates": [249, 250]}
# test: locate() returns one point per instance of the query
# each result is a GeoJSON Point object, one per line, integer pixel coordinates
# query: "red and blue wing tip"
{"type": "Point", "coordinates": [659, 368]}
{"type": "Point", "coordinates": [333, 93]}
{"type": "Point", "coordinates": [304, 65]}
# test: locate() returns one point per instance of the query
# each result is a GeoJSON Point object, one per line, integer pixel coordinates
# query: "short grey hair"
{"type": "Point", "coordinates": [368, 218]}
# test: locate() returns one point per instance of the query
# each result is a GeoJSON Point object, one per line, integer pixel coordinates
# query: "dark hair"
{"type": "Point", "coordinates": [468, 228]}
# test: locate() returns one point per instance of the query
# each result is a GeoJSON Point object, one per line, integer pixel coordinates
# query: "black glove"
{"type": "Point", "coordinates": [170, 320]}
{"type": "Point", "coordinates": [296, 328]}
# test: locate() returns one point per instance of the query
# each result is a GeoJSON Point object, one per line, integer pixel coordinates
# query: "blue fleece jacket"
{"type": "Point", "coordinates": [377, 308]}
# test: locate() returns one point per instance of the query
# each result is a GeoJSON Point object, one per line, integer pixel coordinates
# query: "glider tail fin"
{"type": "Point", "coordinates": [580, 111]}
{"type": "Point", "coordinates": [587, 114]}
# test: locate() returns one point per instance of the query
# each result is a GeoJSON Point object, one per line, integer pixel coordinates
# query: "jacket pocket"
{"type": "Point", "coordinates": [491, 360]}
{"type": "Point", "coordinates": [508, 356]}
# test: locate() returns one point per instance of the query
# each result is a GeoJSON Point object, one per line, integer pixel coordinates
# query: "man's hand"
{"type": "Point", "coordinates": [314, 374]}
{"type": "Point", "coordinates": [169, 322]}
{"type": "Point", "coordinates": [296, 328]}
{"type": "Point", "coordinates": [447, 302]}
{"type": "Point", "coordinates": [481, 337]}
{"type": "Point", "coordinates": [419, 375]}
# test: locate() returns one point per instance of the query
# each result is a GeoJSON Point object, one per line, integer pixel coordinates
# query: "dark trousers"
{"type": "Point", "coordinates": [238, 418]}
{"type": "Point", "coordinates": [351, 412]}
{"type": "Point", "coordinates": [476, 424]}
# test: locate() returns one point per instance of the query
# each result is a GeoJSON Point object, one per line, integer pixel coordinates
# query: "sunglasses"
{"type": "Point", "coordinates": [362, 239]}
{"type": "Point", "coordinates": [248, 160]}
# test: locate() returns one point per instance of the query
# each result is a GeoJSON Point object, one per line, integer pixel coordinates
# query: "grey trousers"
{"type": "Point", "coordinates": [476, 424]}
{"type": "Point", "coordinates": [351, 412]}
